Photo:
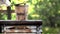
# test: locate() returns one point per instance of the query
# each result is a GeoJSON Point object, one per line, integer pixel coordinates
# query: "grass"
{"type": "Point", "coordinates": [51, 30]}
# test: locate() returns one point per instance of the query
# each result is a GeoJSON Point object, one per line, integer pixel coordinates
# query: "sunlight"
{"type": "Point", "coordinates": [30, 8]}
{"type": "Point", "coordinates": [22, 1]}
{"type": "Point", "coordinates": [34, 1]}
{"type": "Point", "coordinates": [58, 11]}
{"type": "Point", "coordinates": [35, 15]}
{"type": "Point", "coordinates": [46, 28]}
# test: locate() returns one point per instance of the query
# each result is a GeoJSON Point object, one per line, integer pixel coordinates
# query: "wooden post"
{"type": "Point", "coordinates": [8, 12]}
{"type": "Point", "coordinates": [0, 29]}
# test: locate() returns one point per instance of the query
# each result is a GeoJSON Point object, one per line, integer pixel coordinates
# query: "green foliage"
{"type": "Point", "coordinates": [48, 11]}
{"type": "Point", "coordinates": [13, 16]}
{"type": "Point", "coordinates": [48, 30]}
{"type": "Point", "coordinates": [3, 16]}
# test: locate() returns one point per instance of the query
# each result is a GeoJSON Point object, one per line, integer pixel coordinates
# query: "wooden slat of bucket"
{"type": "Point", "coordinates": [21, 17]}
{"type": "Point", "coordinates": [20, 9]}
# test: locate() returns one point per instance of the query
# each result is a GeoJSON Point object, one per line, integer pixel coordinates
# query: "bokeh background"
{"type": "Point", "coordinates": [46, 10]}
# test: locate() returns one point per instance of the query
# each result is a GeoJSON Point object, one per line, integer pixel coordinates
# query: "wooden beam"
{"type": "Point", "coordinates": [5, 11]}
{"type": "Point", "coordinates": [24, 22]}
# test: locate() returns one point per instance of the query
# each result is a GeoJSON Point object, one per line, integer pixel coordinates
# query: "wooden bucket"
{"type": "Point", "coordinates": [21, 11]}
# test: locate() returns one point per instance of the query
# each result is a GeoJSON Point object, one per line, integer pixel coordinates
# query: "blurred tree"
{"type": "Point", "coordinates": [49, 11]}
